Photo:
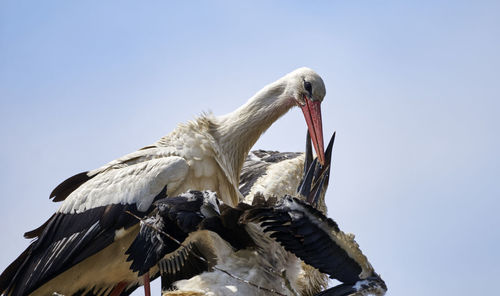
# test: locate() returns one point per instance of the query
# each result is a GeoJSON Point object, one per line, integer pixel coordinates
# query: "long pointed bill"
{"type": "Point", "coordinates": [316, 177]}
{"type": "Point", "coordinates": [312, 114]}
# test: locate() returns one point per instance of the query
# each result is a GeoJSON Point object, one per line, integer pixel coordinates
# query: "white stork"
{"type": "Point", "coordinates": [267, 175]}
{"type": "Point", "coordinates": [80, 249]}
{"type": "Point", "coordinates": [183, 224]}
{"type": "Point", "coordinates": [240, 257]}
{"type": "Point", "coordinates": [254, 249]}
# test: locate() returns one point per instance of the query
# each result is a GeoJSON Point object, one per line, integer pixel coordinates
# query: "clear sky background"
{"type": "Point", "coordinates": [413, 91]}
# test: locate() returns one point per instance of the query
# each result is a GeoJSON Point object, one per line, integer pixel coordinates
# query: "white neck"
{"type": "Point", "coordinates": [238, 131]}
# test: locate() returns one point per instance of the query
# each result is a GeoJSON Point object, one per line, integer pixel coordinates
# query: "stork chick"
{"type": "Point", "coordinates": [299, 228]}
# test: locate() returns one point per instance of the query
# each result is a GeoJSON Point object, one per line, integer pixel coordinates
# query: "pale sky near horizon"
{"type": "Point", "coordinates": [413, 92]}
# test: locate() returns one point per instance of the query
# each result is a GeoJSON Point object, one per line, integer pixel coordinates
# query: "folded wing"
{"type": "Point", "coordinates": [91, 217]}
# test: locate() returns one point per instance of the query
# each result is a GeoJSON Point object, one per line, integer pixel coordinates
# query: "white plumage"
{"type": "Point", "coordinates": [265, 174]}
{"type": "Point", "coordinates": [81, 247]}
{"type": "Point", "coordinates": [244, 247]}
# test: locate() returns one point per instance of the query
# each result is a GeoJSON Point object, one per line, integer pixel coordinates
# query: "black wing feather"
{"type": "Point", "coordinates": [10, 272]}
{"type": "Point", "coordinates": [176, 216]}
{"type": "Point", "coordinates": [186, 262]}
{"type": "Point", "coordinates": [66, 240]}
{"type": "Point", "coordinates": [69, 185]}
{"type": "Point", "coordinates": [296, 229]}
{"type": "Point", "coordinates": [150, 245]}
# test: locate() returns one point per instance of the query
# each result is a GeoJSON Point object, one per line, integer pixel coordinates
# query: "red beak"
{"type": "Point", "coordinates": [312, 114]}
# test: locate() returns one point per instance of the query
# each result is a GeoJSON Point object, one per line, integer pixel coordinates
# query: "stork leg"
{"type": "Point", "coordinates": [118, 289]}
{"type": "Point", "coordinates": [147, 287]}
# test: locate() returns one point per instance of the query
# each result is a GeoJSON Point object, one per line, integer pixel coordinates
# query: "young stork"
{"type": "Point", "coordinates": [256, 260]}
{"type": "Point", "coordinates": [274, 174]}
{"type": "Point", "coordinates": [80, 249]}
{"type": "Point", "coordinates": [269, 175]}
{"type": "Point", "coordinates": [179, 230]}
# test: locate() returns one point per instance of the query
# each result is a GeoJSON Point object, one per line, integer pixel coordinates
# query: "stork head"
{"type": "Point", "coordinates": [308, 90]}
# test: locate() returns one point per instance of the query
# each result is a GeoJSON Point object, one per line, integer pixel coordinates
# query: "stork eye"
{"type": "Point", "coordinates": [308, 86]}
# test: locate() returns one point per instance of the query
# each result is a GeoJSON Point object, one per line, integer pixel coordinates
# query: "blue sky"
{"type": "Point", "coordinates": [413, 92]}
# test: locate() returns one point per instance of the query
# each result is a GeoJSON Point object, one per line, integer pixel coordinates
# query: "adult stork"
{"type": "Point", "coordinates": [80, 249]}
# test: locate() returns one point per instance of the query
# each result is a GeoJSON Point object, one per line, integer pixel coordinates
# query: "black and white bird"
{"type": "Point", "coordinates": [247, 261]}
{"type": "Point", "coordinates": [175, 219]}
{"type": "Point", "coordinates": [275, 174]}
{"type": "Point", "coordinates": [264, 178]}
{"type": "Point", "coordinates": [255, 172]}
{"type": "Point", "coordinates": [298, 227]}
{"type": "Point", "coordinates": [81, 248]}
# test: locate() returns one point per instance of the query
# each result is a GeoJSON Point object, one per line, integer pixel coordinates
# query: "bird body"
{"type": "Point", "coordinates": [258, 265]}
{"type": "Point", "coordinates": [103, 277]}
{"type": "Point", "coordinates": [263, 268]}
{"type": "Point", "coordinates": [237, 254]}
{"type": "Point", "coordinates": [81, 247]}
{"type": "Point", "coordinates": [266, 175]}
{"type": "Point", "coordinates": [271, 174]}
